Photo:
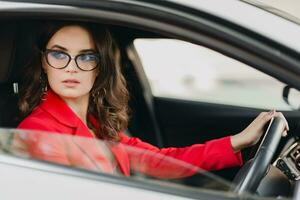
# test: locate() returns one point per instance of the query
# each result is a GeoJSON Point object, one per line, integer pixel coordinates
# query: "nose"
{"type": "Point", "coordinates": [72, 66]}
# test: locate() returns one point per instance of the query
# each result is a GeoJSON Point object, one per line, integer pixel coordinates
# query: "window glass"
{"type": "Point", "coordinates": [90, 154]}
{"type": "Point", "coordinates": [178, 69]}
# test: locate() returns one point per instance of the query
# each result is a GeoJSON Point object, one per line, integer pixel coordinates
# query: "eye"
{"type": "Point", "coordinates": [88, 58]}
{"type": "Point", "coordinates": [57, 55]}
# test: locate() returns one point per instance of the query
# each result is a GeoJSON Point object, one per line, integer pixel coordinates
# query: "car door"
{"type": "Point", "coordinates": [29, 175]}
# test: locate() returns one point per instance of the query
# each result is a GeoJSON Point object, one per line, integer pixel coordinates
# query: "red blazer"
{"type": "Point", "coordinates": [54, 115]}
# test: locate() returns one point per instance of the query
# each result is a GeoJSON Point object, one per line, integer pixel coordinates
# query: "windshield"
{"type": "Point", "coordinates": [288, 9]}
{"type": "Point", "coordinates": [94, 155]}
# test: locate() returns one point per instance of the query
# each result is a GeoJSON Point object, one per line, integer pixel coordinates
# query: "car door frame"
{"type": "Point", "coordinates": [197, 27]}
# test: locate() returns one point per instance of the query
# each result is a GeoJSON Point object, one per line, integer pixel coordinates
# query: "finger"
{"type": "Point", "coordinates": [284, 133]}
{"type": "Point", "coordinates": [279, 114]}
{"type": "Point", "coordinates": [287, 124]}
{"type": "Point", "coordinates": [271, 112]}
{"type": "Point", "coordinates": [286, 127]}
{"type": "Point", "coordinates": [269, 115]}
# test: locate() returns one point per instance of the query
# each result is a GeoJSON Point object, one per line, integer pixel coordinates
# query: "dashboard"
{"type": "Point", "coordinates": [289, 161]}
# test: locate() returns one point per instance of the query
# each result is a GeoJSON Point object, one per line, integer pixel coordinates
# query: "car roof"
{"type": "Point", "coordinates": [241, 13]}
{"type": "Point", "coordinates": [250, 17]}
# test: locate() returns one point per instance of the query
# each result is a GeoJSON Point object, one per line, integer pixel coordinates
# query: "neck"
{"type": "Point", "coordinates": [79, 106]}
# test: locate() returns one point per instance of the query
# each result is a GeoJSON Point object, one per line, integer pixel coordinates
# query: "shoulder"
{"type": "Point", "coordinates": [38, 120]}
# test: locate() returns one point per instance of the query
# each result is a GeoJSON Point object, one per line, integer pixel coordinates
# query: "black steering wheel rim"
{"type": "Point", "coordinates": [251, 174]}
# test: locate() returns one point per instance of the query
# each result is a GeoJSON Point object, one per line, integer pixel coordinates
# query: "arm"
{"type": "Point", "coordinates": [213, 155]}
{"type": "Point", "coordinates": [43, 144]}
{"type": "Point", "coordinates": [180, 162]}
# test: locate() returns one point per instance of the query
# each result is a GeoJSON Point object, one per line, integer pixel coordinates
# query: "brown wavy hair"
{"type": "Point", "coordinates": [108, 102]}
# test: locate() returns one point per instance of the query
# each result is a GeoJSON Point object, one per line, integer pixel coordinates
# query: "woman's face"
{"type": "Point", "coordinates": [70, 82]}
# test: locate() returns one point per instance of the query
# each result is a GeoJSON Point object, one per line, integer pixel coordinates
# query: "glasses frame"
{"type": "Point", "coordinates": [47, 51]}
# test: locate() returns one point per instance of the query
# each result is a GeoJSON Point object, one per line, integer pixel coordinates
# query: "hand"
{"type": "Point", "coordinates": [251, 135]}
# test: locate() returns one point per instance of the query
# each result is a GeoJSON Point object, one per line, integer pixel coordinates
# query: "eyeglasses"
{"type": "Point", "coordinates": [59, 60]}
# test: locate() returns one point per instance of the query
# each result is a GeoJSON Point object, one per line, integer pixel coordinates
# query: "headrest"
{"type": "Point", "coordinates": [8, 39]}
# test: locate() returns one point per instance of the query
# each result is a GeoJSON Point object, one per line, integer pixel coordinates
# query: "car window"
{"type": "Point", "coordinates": [90, 154]}
{"type": "Point", "coordinates": [182, 70]}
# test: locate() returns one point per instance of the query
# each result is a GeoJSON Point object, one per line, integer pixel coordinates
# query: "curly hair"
{"type": "Point", "coordinates": [108, 102]}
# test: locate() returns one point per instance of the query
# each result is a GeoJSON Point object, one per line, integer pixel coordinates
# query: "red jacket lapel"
{"type": "Point", "coordinates": [58, 109]}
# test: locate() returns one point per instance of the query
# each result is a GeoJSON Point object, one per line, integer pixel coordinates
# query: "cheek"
{"type": "Point", "coordinates": [90, 79]}
{"type": "Point", "coordinates": [53, 76]}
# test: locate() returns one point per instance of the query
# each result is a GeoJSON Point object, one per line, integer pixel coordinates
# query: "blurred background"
{"type": "Point", "coordinates": [178, 69]}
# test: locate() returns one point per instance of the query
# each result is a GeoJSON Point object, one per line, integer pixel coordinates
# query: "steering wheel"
{"type": "Point", "coordinates": [250, 175]}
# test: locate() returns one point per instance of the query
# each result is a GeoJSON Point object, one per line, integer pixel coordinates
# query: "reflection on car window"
{"type": "Point", "coordinates": [178, 69]}
{"type": "Point", "coordinates": [92, 155]}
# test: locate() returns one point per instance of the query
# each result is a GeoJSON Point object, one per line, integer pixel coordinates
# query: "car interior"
{"type": "Point", "coordinates": [160, 121]}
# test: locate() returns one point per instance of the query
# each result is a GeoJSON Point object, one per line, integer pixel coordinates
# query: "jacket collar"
{"type": "Point", "coordinates": [56, 107]}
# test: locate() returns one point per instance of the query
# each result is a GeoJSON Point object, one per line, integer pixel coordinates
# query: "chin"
{"type": "Point", "coordinates": [72, 94]}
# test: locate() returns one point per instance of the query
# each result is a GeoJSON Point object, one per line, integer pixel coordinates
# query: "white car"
{"type": "Point", "coordinates": [196, 70]}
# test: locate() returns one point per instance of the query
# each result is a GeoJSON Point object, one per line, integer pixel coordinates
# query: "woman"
{"type": "Point", "coordinates": [82, 92]}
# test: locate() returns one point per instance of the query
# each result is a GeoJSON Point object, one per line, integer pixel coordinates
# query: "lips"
{"type": "Point", "coordinates": [71, 81]}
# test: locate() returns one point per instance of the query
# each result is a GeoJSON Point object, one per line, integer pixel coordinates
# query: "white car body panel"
{"type": "Point", "coordinates": [36, 184]}
{"type": "Point", "coordinates": [250, 17]}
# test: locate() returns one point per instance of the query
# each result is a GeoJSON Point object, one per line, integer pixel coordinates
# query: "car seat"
{"type": "Point", "coordinates": [8, 86]}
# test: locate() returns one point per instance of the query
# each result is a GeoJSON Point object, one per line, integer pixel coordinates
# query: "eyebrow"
{"type": "Point", "coordinates": [65, 49]}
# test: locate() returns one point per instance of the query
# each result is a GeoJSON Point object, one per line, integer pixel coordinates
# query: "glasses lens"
{"type": "Point", "coordinates": [87, 61]}
{"type": "Point", "coordinates": [57, 59]}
